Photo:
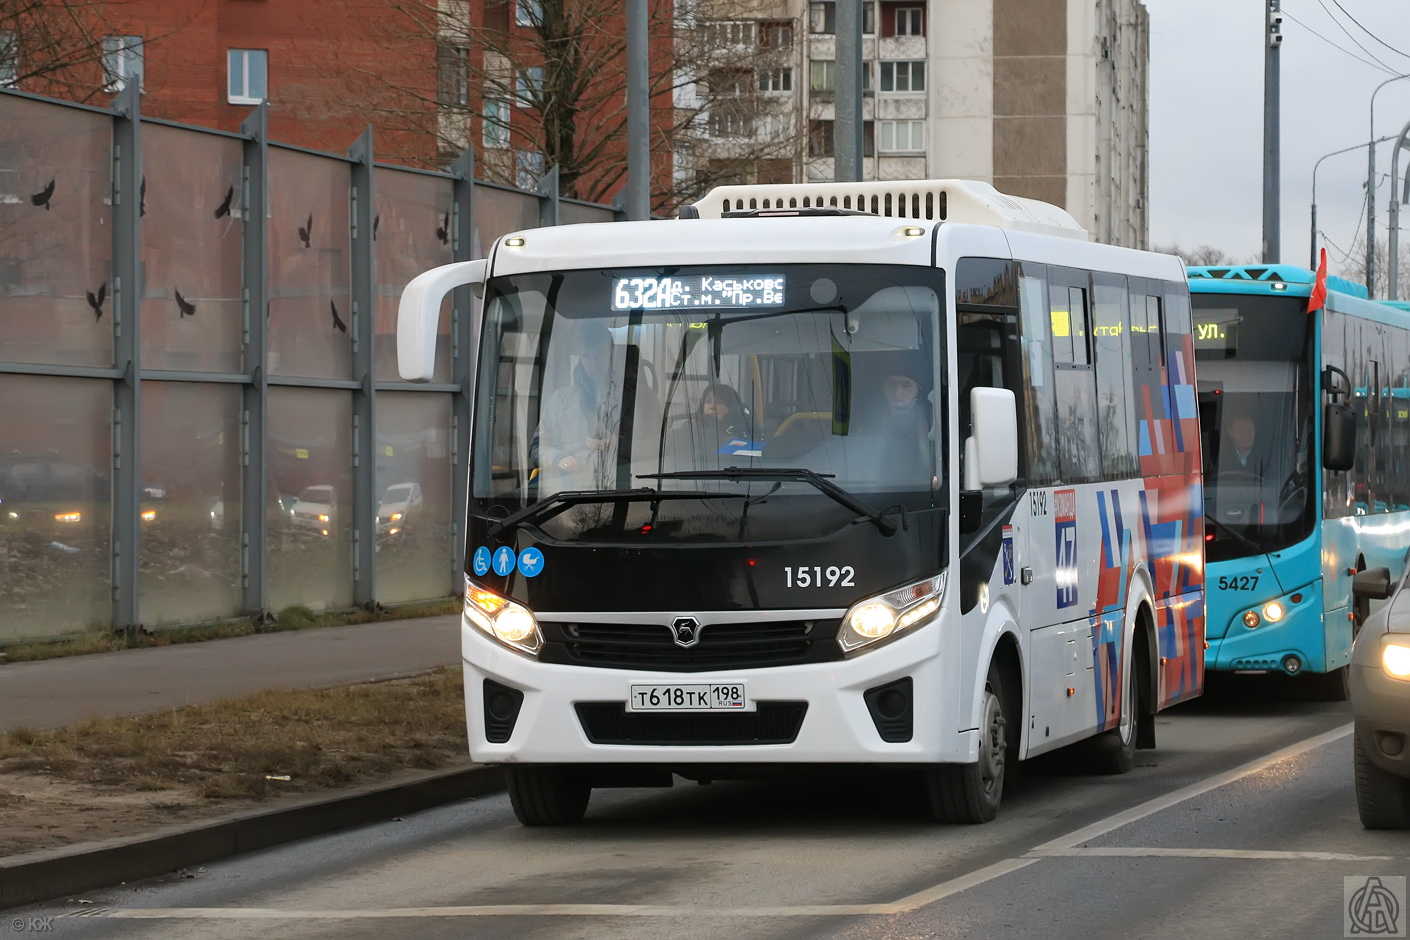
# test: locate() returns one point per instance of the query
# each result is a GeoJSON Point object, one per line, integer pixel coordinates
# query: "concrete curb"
{"type": "Point", "coordinates": [54, 873]}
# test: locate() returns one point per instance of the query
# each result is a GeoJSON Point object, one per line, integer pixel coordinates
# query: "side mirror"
{"type": "Point", "coordinates": [1373, 584]}
{"type": "Point", "coordinates": [1338, 437]}
{"type": "Point", "coordinates": [419, 313]}
{"type": "Point", "coordinates": [994, 418]}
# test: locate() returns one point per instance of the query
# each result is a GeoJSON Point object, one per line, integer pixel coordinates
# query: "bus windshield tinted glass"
{"type": "Point", "coordinates": [833, 371]}
{"type": "Point", "coordinates": [1255, 421]}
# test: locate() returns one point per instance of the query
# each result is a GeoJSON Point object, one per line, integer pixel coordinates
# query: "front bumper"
{"type": "Point", "coordinates": [1381, 706]}
{"type": "Point", "coordinates": [836, 728]}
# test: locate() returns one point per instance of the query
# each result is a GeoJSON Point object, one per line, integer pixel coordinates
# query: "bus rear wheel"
{"type": "Point", "coordinates": [1334, 686]}
{"type": "Point", "coordinates": [547, 795]}
{"type": "Point", "coordinates": [1114, 751]}
{"type": "Point", "coordinates": [971, 793]}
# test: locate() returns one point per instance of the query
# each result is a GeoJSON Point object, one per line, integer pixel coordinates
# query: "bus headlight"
{"type": "Point", "coordinates": [1395, 660]}
{"type": "Point", "coordinates": [1273, 612]}
{"type": "Point", "coordinates": [497, 617]}
{"type": "Point", "coordinates": [877, 618]}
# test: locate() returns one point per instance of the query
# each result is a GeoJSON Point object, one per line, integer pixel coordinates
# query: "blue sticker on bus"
{"type": "Point", "coordinates": [480, 563]}
{"type": "Point", "coordinates": [504, 560]}
{"type": "Point", "coordinates": [530, 562]}
{"type": "Point", "coordinates": [743, 448]}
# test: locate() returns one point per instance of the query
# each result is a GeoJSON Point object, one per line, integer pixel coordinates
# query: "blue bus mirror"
{"type": "Point", "coordinates": [1338, 437]}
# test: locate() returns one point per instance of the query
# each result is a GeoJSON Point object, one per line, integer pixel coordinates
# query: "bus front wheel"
{"type": "Point", "coordinates": [970, 793]}
{"type": "Point", "coordinates": [547, 795]}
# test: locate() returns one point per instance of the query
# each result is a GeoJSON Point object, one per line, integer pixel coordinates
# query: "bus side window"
{"type": "Point", "coordinates": [1111, 339]}
{"type": "Point", "coordinates": [1038, 357]}
{"type": "Point", "coordinates": [1079, 454]}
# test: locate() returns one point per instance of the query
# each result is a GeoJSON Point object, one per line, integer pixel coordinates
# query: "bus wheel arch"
{"type": "Point", "coordinates": [971, 793]}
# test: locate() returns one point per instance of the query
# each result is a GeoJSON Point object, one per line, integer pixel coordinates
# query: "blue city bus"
{"type": "Point", "coordinates": [1295, 503]}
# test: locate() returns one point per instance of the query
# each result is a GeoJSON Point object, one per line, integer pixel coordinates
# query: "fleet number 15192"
{"type": "Point", "coordinates": [804, 576]}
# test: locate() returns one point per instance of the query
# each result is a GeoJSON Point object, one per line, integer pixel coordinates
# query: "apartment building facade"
{"type": "Point", "coordinates": [1043, 98]}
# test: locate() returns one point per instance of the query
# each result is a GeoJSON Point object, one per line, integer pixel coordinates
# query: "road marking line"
{"type": "Point", "coordinates": [1123, 852]}
{"type": "Point", "coordinates": [1067, 846]}
{"type": "Point", "coordinates": [1150, 807]}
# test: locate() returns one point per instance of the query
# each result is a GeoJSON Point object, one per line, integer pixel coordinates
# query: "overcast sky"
{"type": "Point", "coordinates": [1206, 120]}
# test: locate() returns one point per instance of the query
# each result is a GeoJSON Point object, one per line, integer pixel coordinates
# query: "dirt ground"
{"type": "Point", "coordinates": [121, 777]}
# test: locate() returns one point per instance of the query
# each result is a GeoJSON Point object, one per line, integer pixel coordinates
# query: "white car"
{"type": "Point", "coordinates": [1380, 701]}
{"type": "Point", "coordinates": [399, 505]}
{"type": "Point", "coordinates": [316, 509]}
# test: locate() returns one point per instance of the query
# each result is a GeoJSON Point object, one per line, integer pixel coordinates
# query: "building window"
{"type": "Point", "coordinates": [910, 21]}
{"type": "Point", "coordinates": [729, 33]}
{"type": "Point", "coordinates": [528, 12]}
{"type": "Point", "coordinates": [775, 127]}
{"type": "Point", "coordinates": [822, 17]}
{"type": "Point", "coordinates": [868, 138]}
{"type": "Point", "coordinates": [776, 81]}
{"type": "Point", "coordinates": [903, 76]}
{"type": "Point", "coordinates": [496, 118]}
{"type": "Point", "coordinates": [819, 138]}
{"type": "Point", "coordinates": [528, 89]}
{"type": "Point", "coordinates": [731, 83]}
{"type": "Point", "coordinates": [727, 123]}
{"type": "Point", "coordinates": [248, 81]}
{"type": "Point", "coordinates": [868, 19]}
{"type": "Point", "coordinates": [776, 34]}
{"type": "Point", "coordinates": [454, 84]}
{"type": "Point", "coordinates": [9, 57]}
{"type": "Point", "coordinates": [528, 165]}
{"type": "Point", "coordinates": [822, 77]}
{"type": "Point", "coordinates": [122, 61]}
{"type": "Point", "coordinates": [902, 136]}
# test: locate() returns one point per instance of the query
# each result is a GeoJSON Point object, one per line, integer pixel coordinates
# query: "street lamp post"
{"type": "Point", "coordinates": [1313, 239]}
{"type": "Point", "coordinates": [1393, 255]}
{"type": "Point", "coordinates": [1371, 192]}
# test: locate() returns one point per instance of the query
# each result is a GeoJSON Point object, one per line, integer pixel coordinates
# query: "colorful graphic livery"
{"type": "Point", "coordinates": [924, 490]}
{"type": "Point", "coordinates": [1305, 418]}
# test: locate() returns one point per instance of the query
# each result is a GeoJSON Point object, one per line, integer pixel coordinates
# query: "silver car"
{"type": "Point", "coordinates": [1380, 699]}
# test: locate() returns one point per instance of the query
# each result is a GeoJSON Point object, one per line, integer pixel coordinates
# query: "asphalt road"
{"type": "Point", "coordinates": [1242, 824]}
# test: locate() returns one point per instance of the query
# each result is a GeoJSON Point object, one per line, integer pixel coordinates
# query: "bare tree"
{"type": "Point", "coordinates": [57, 47]}
{"type": "Point", "coordinates": [542, 83]}
{"type": "Point", "coordinates": [1353, 266]}
{"type": "Point", "coordinates": [1200, 255]}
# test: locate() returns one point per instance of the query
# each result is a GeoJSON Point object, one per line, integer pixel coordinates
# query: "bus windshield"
{"type": "Point", "coordinates": [613, 380]}
{"type": "Point", "coordinates": [1256, 422]}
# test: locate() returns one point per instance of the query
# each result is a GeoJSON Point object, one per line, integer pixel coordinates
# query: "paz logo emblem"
{"type": "Point", "coordinates": [685, 631]}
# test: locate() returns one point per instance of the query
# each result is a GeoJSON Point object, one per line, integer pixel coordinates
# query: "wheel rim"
{"type": "Point", "coordinates": [1127, 723]}
{"type": "Point", "coordinates": [993, 745]}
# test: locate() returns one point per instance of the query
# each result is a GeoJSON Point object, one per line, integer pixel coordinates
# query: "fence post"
{"type": "Point", "coordinates": [364, 318]}
{"type": "Point", "coordinates": [127, 198]}
{"type": "Point", "coordinates": [254, 314]}
{"type": "Point", "coordinates": [464, 335]}
{"type": "Point", "coordinates": [548, 197]}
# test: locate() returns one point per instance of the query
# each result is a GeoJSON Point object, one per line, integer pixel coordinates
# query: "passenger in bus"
{"type": "Point", "coordinates": [718, 431]}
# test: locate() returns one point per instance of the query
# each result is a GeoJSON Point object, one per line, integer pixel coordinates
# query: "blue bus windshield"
{"type": "Point", "coordinates": [1255, 421]}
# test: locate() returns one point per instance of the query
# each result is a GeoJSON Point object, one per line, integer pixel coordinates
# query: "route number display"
{"type": "Point", "coordinates": [703, 290]}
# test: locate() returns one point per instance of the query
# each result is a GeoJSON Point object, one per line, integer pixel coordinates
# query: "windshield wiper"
{"type": "Point", "coordinates": [819, 480]}
{"type": "Point", "coordinates": [550, 506]}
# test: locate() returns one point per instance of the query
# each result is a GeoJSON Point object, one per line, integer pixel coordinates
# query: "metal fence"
{"type": "Point", "coordinates": [200, 412]}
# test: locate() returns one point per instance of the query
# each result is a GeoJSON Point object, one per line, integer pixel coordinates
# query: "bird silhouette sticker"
{"type": "Point", "coordinates": [42, 197]}
{"type": "Point", "coordinates": [338, 323]}
{"type": "Point", "coordinates": [184, 307]}
{"type": "Point", "coordinates": [443, 230]}
{"type": "Point", "coordinates": [142, 198]}
{"type": "Point", "coordinates": [222, 210]}
{"type": "Point", "coordinates": [96, 300]}
{"type": "Point", "coordinates": [306, 231]}
{"type": "Point", "coordinates": [376, 222]}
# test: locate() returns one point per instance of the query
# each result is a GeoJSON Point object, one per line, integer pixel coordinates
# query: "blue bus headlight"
{"type": "Point", "coordinates": [503, 620]}
{"type": "Point", "coordinates": [889, 614]}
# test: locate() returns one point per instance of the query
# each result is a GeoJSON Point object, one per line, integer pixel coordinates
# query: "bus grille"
{"type": "Point", "coordinates": [611, 723]}
{"type": "Point", "coordinates": [721, 645]}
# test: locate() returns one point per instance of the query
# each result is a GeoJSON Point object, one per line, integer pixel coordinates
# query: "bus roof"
{"type": "Point", "coordinates": [1343, 296]}
{"type": "Point", "coordinates": [950, 200]}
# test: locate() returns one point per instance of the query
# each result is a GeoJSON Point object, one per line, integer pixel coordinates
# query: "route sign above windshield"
{"type": "Point", "coordinates": [702, 290]}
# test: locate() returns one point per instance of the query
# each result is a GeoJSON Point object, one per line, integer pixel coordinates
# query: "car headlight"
{"type": "Point", "coordinates": [1395, 660]}
{"type": "Point", "coordinates": [503, 620]}
{"type": "Point", "coordinates": [887, 615]}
